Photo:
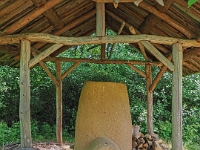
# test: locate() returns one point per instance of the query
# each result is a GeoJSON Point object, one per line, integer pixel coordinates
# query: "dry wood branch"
{"type": "Point", "coordinates": [48, 38]}
{"type": "Point", "coordinates": [24, 21]}
{"type": "Point", "coordinates": [46, 69]}
{"type": "Point", "coordinates": [137, 70]}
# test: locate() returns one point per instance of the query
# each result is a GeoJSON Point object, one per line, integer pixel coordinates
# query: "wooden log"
{"type": "Point", "coordinates": [24, 105]}
{"type": "Point", "coordinates": [177, 97]}
{"type": "Point", "coordinates": [158, 55]}
{"type": "Point", "coordinates": [135, 130]}
{"type": "Point", "coordinates": [50, 14]}
{"type": "Point", "coordinates": [151, 20]}
{"type": "Point", "coordinates": [136, 62]}
{"type": "Point", "coordinates": [25, 20]}
{"type": "Point", "coordinates": [168, 19]}
{"type": "Point", "coordinates": [191, 53]}
{"type": "Point", "coordinates": [149, 100]}
{"type": "Point", "coordinates": [48, 38]}
{"type": "Point", "coordinates": [59, 103]}
{"type": "Point", "coordinates": [100, 25]}
{"type": "Point", "coordinates": [44, 54]}
{"type": "Point", "coordinates": [100, 19]}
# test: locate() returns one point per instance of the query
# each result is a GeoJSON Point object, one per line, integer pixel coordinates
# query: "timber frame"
{"type": "Point", "coordinates": [41, 31]}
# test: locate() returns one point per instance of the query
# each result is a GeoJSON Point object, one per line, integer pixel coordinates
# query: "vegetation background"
{"type": "Point", "coordinates": [43, 96]}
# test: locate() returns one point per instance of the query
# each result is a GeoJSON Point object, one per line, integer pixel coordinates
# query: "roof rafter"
{"type": "Point", "coordinates": [25, 20]}
{"type": "Point", "coordinates": [152, 20]}
{"type": "Point", "coordinates": [50, 14]}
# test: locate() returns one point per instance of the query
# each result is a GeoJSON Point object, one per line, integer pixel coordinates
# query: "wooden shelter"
{"type": "Point", "coordinates": [35, 31]}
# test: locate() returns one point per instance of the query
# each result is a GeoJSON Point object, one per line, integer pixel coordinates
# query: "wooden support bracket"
{"type": "Point", "coordinates": [137, 70]}
{"type": "Point", "coordinates": [158, 55]}
{"type": "Point", "coordinates": [44, 54]}
{"type": "Point", "coordinates": [159, 75]}
{"type": "Point", "coordinates": [70, 70]}
{"type": "Point", "coordinates": [46, 69]}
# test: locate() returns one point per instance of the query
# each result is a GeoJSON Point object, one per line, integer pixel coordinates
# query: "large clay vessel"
{"type": "Point", "coordinates": [103, 113]}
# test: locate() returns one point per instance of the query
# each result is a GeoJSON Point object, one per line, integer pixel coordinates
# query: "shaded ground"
{"type": "Point", "coordinates": [39, 146]}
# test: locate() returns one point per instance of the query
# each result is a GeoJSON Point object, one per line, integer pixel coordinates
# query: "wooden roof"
{"type": "Point", "coordinates": [78, 18]}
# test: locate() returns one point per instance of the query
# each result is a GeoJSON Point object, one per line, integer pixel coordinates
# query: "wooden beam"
{"type": "Point", "coordinates": [59, 103]}
{"type": "Point", "coordinates": [46, 69]}
{"type": "Point", "coordinates": [9, 49]}
{"type": "Point", "coordinates": [69, 26]}
{"type": "Point", "coordinates": [149, 100]}
{"type": "Point", "coordinates": [151, 20]}
{"type": "Point", "coordinates": [100, 19]}
{"type": "Point", "coordinates": [50, 14]}
{"type": "Point", "coordinates": [70, 70]}
{"type": "Point", "coordinates": [118, 33]}
{"type": "Point", "coordinates": [141, 46]}
{"type": "Point", "coordinates": [191, 53]}
{"type": "Point", "coordinates": [111, 1]}
{"type": "Point", "coordinates": [159, 75]}
{"type": "Point", "coordinates": [25, 20]}
{"type": "Point", "coordinates": [168, 19]}
{"type": "Point", "coordinates": [137, 70]}
{"type": "Point", "coordinates": [177, 97]}
{"type": "Point", "coordinates": [48, 38]}
{"type": "Point", "coordinates": [44, 54]}
{"type": "Point", "coordinates": [135, 62]}
{"type": "Point", "coordinates": [24, 104]}
{"type": "Point", "coordinates": [100, 25]}
{"type": "Point", "coordinates": [158, 55]}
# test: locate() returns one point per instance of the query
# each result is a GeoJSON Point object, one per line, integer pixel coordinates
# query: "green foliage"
{"type": "Point", "coordinates": [191, 2]}
{"type": "Point", "coordinates": [43, 109]}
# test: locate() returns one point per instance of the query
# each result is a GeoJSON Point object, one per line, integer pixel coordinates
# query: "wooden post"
{"type": "Point", "coordinates": [177, 97]}
{"type": "Point", "coordinates": [149, 100]}
{"type": "Point", "coordinates": [59, 102]}
{"type": "Point", "coordinates": [100, 24]}
{"type": "Point", "coordinates": [24, 105]}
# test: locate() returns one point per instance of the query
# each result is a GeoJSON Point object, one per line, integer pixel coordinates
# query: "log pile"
{"type": "Point", "coordinates": [145, 142]}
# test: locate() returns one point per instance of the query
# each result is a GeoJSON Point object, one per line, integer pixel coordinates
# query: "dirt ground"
{"type": "Point", "coordinates": [40, 146]}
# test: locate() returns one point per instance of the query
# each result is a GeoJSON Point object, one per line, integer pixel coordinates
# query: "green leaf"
{"type": "Point", "coordinates": [191, 2]}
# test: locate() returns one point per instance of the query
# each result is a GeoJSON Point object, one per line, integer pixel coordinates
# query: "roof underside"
{"type": "Point", "coordinates": [78, 18]}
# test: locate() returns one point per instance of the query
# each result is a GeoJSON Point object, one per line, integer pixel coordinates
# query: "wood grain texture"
{"type": "Point", "coordinates": [24, 104]}
{"type": "Point", "coordinates": [177, 97]}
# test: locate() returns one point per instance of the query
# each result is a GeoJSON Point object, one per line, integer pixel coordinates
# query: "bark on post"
{"type": "Point", "coordinates": [59, 102]}
{"type": "Point", "coordinates": [24, 105]}
{"type": "Point", "coordinates": [100, 24]}
{"type": "Point", "coordinates": [177, 97]}
{"type": "Point", "coordinates": [149, 99]}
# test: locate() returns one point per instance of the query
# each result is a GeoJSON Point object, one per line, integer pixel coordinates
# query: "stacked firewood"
{"type": "Point", "coordinates": [146, 142]}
